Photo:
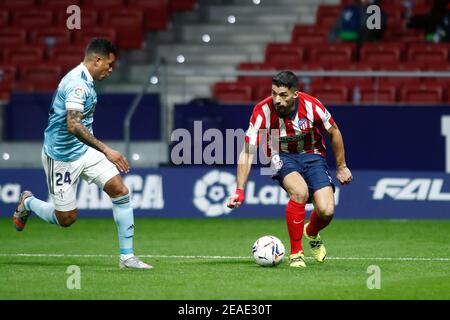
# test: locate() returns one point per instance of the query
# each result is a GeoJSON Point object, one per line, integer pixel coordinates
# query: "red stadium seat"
{"type": "Point", "coordinates": [51, 36]}
{"type": "Point", "coordinates": [129, 26]}
{"type": "Point", "coordinates": [67, 57]}
{"type": "Point", "coordinates": [102, 4]}
{"type": "Point", "coordinates": [4, 18]}
{"type": "Point", "coordinates": [308, 35]}
{"type": "Point", "coordinates": [39, 78]}
{"type": "Point", "coordinates": [232, 92]}
{"type": "Point", "coordinates": [383, 94]}
{"type": "Point", "coordinates": [261, 92]}
{"type": "Point", "coordinates": [350, 82]}
{"type": "Point", "coordinates": [331, 94]}
{"type": "Point", "coordinates": [398, 35]}
{"type": "Point", "coordinates": [23, 55]}
{"type": "Point", "coordinates": [400, 81]}
{"type": "Point", "coordinates": [14, 5]}
{"type": "Point", "coordinates": [89, 20]}
{"type": "Point", "coordinates": [283, 55]}
{"type": "Point", "coordinates": [380, 54]}
{"type": "Point", "coordinates": [256, 66]}
{"type": "Point", "coordinates": [33, 19]}
{"type": "Point", "coordinates": [12, 37]}
{"type": "Point", "coordinates": [333, 53]}
{"type": "Point", "coordinates": [428, 53]}
{"type": "Point", "coordinates": [327, 15]}
{"type": "Point", "coordinates": [310, 39]}
{"type": "Point", "coordinates": [182, 5]}
{"type": "Point", "coordinates": [85, 35]}
{"type": "Point", "coordinates": [421, 94]}
{"type": "Point", "coordinates": [156, 13]}
{"type": "Point", "coordinates": [58, 4]}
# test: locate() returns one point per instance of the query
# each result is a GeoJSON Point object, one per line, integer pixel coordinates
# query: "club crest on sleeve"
{"type": "Point", "coordinates": [79, 92]}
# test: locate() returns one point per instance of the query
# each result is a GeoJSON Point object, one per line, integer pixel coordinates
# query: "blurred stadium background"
{"type": "Point", "coordinates": [211, 60]}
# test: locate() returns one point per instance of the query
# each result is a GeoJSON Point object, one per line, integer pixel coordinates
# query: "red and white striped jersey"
{"type": "Point", "coordinates": [298, 133]}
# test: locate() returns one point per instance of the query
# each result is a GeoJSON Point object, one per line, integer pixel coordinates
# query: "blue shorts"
{"type": "Point", "coordinates": [312, 167]}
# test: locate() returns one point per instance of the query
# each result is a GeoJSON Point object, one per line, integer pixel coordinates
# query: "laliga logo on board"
{"type": "Point", "coordinates": [211, 192]}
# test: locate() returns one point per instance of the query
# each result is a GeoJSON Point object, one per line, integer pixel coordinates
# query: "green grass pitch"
{"type": "Point", "coordinates": [211, 259]}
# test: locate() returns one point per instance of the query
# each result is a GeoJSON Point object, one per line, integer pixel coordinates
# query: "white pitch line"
{"type": "Point", "coordinates": [209, 257]}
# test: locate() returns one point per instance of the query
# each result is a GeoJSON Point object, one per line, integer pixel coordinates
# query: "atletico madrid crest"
{"type": "Point", "coordinates": [303, 124]}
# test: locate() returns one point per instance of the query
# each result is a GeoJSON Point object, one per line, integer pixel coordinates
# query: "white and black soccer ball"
{"type": "Point", "coordinates": [268, 251]}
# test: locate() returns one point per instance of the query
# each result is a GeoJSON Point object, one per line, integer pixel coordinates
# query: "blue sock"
{"type": "Point", "coordinates": [123, 216]}
{"type": "Point", "coordinates": [45, 210]}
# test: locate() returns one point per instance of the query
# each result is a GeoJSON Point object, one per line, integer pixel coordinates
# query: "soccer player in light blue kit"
{"type": "Point", "coordinates": [71, 151]}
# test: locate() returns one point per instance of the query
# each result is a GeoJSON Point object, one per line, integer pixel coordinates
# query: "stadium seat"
{"type": "Point", "coordinates": [58, 4]}
{"type": "Point", "coordinates": [327, 15]}
{"type": "Point", "coordinates": [256, 66]}
{"type": "Point", "coordinates": [428, 53]}
{"type": "Point", "coordinates": [89, 20]}
{"type": "Point", "coordinates": [129, 26]}
{"type": "Point", "coordinates": [400, 81]}
{"type": "Point", "coordinates": [102, 4]}
{"type": "Point", "coordinates": [232, 92]}
{"type": "Point", "coordinates": [329, 94]}
{"type": "Point", "coordinates": [405, 36]}
{"type": "Point", "coordinates": [379, 53]}
{"type": "Point", "coordinates": [156, 13]}
{"type": "Point", "coordinates": [67, 57]}
{"type": "Point", "coordinates": [39, 77]}
{"type": "Point", "coordinates": [12, 37]}
{"type": "Point", "coordinates": [51, 36]}
{"type": "Point", "coordinates": [306, 35]}
{"type": "Point", "coordinates": [32, 19]}
{"type": "Point", "coordinates": [383, 94]}
{"type": "Point", "coordinates": [283, 55]}
{"type": "Point", "coordinates": [310, 39]}
{"type": "Point", "coordinates": [85, 35]}
{"type": "Point", "coordinates": [421, 94]}
{"type": "Point", "coordinates": [14, 5]}
{"type": "Point", "coordinates": [333, 53]}
{"type": "Point", "coordinates": [23, 55]}
{"type": "Point", "coordinates": [182, 5]}
{"type": "Point", "coordinates": [350, 81]}
{"type": "Point", "coordinates": [4, 18]}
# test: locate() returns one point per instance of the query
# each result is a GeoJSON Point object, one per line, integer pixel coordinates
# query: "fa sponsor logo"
{"type": "Point", "coordinates": [410, 189]}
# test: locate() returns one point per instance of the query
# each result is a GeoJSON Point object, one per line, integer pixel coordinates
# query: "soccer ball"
{"type": "Point", "coordinates": [268, 251]}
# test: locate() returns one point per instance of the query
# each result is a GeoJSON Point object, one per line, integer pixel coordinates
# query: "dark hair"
{"type": "Point", "coordinates": [101, 46]}
{"type": "Point", "coordinates": [285, 79]}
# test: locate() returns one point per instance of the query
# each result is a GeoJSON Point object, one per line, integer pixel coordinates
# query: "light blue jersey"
{"type": "Point", "coordinates": [76, 91]}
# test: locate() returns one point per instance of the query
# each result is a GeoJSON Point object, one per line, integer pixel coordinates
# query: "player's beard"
{"type": "Point", "coordinates": [284, 112]}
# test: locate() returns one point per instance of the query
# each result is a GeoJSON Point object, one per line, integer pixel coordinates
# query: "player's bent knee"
{"type": "Point", "coordinates": [300, 197]}
{"type": "Point", "coordinates": [66, 219]}
{"type": "Point", "coordinates": [327, 211]}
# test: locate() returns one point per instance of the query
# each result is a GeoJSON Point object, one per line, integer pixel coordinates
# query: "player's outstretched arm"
{"type": "Point", "coordinates": [79, 130]}
{"type": "Point", "coordinates": [343, 173]}
{"type": "Point", "coordinates": [243, 170]}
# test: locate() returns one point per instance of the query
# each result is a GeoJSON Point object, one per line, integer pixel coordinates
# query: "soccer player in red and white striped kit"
{"type": "Point", "coordinates": [294, 122]}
